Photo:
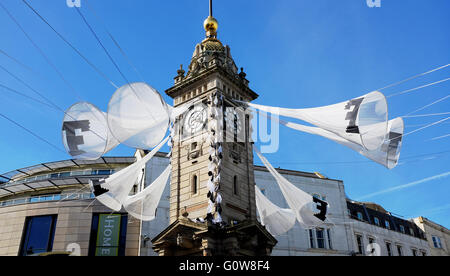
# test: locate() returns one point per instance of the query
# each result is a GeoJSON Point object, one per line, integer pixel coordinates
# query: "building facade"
{"type": "Point", "coordinates": [55, 198]}
{"type": "Point", "coordinates": [50, 208]}
{"type": "Point", "coordinates": [437, 235]}
{"type": "Point", "coordinates": [373, 228]}
{"type": "Point", "coordinates": [352, 229]}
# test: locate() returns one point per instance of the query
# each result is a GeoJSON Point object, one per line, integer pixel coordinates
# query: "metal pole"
{"type": "Point", "coordinates": [210, 8]}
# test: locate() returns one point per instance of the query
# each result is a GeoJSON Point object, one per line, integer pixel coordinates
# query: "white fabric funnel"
{"type": "Point", "coordinates": [303, 204]}
{"type": "Point", "coordinates": [353, 120]}
{"type": "Point", "coordinates": [276, 220]}
{"type": "Point", "coordinates": [85, 132]}
{"type": "Point", "coordinates": [119, 185]}
{"type": "Point", "coordinates": [144, 204]}
{"type": "Point", "coordinates": [138, 116]}
{"type": "Point", "coordinates": [388, 154]}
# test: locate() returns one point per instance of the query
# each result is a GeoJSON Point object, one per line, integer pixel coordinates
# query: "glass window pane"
{"type": "Point", "coordinates": [38, 235]}
{"type": "Point", "coordinates": [34, 199]}
{"type": "Point", "coordinates": [64, 174]}
{"type": "Point", "coordinates": [104, 172]}
{"type": "Point", "coordinates": [311, 238]}
{"type": "Point", "coordinates": [320, 238]}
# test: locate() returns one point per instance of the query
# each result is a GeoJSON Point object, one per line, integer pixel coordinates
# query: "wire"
{"type": "Point", "coordinates": [52, 105]}
{"type": "Point", "coordinates": [71, 46]}
{"type": "Point", "coordinates": [41, 52]}
{"type": "Point", "coordinates": [112, 60]}
{"type": "Point", "coordinates": [417, 88]}
{"type": "Point", "coordinates": [419, 125]}
{"type": "Point", "coordinates": [114, 40]}
{"type": "Point", "coordinates": [426, 115]}
{"type": "Point", "coordinates": [24, 95]}
{"type": "Point", "coordinates": [428, 105]}
{"type": "Point", "coordinates": [17, 61]}
{"type": "Point", "coordinates": [364, 162]}
{"type": "Point", "coordinates": [440, 137]}
{"type": "Point", "coordinates": [29, 87]}
{"type": "Point", "coordinates": [101, 44]}
{"type": "Point", "coordinates": [32, 133]}
{"type": "Point", "coordinates": [414, 77]}
{"type": "Point", "coordinates": [422, 128]}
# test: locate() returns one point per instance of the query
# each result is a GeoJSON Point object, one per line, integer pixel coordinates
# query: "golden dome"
{"type": "Point", "coordinates": [211, 25]}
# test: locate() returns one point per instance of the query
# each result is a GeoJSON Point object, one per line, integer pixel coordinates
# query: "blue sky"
{"type": "Point", "coordinates": [302, 53]}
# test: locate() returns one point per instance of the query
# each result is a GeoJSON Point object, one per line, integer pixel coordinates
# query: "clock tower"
{"type": "Point", "coordinates": [212, 190]}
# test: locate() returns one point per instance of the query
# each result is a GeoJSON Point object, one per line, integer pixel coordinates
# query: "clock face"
{"type": "Point", "coordinates": [195, 120]}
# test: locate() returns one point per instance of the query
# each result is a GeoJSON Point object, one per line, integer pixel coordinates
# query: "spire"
{"type": "Point", "coordinates": [211, 25]}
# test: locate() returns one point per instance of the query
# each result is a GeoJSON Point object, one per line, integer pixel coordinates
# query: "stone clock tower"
{"type": "Point", "coordinates": [212, 191]}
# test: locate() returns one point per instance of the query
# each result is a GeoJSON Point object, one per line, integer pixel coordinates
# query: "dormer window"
{"type": "Point", "coordinates": [376, 221]}
{"type": "Point", "coordinates": [360, 216]}
{"type": "Point", "coordinates": [387, 224]}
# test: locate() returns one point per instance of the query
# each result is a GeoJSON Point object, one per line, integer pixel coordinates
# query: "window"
{"type": "Point", "coordinates": [330, 245]}
{"type": "Point", "coordinates": [108, 235]}
{"type": "Point", "coordinates": [402, 229]}
{"type": "Point", "coordinates": [194, 184]}
{"type": "Point", "coordinates": [103, 172]}
{"type": "Point", "coordinates": [64, 174]}
{"type": "Point", "coordinates": [377, 221]}
{"type": "Point", "coordinates": [38, 236]}
{"type": "Point", "coordinates": [311, 238]}
{"type": "Point", "coordinates": [389, 249]}
{"type": "Point", "coordinates": [360, 216]}
{"type": "Point", "coordinates": [320, 234]}
{"type": "Point", "coordinates": [437, 242]}
{"type": "Point", "coordinates": [411, 231]}
{"type": "Point", "coordinates": [235, 186]}
{"type": "Point", "coordinates": [399, 250]}
{"type": "Point", "coordinates": [387, 224]}
{"type": "Point", "coordinates": [360, 244]}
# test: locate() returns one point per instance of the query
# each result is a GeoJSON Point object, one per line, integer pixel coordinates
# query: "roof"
{"type": "Point", "coordinates": [296, 173]}
{"type": "Point", "coordinates": [433, 224]}
{"type": "Point", "coordinates": [52, 166]}
{"type": "Point", "coordinates": [11, 182]}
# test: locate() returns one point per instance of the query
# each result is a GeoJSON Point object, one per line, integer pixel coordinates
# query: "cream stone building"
{"type": "Point", "coordinates": [351, 220]}
{"type": "Point", "coordinates": [56, 199]}
{"type": "Point", "coordinates": [50, 208]}
{"type": "Point", "coordinates": [437, 235]}
{"type": "Point", "coordinates": [374, 228]}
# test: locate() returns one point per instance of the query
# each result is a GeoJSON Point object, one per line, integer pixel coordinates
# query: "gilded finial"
{"type": "Point", "coordinates": [211, 25]}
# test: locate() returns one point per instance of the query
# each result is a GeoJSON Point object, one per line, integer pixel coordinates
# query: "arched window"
{"type": "Point", "coordinates": [194, 184]}
{"type": "Point", "coordinates": [235, 185]}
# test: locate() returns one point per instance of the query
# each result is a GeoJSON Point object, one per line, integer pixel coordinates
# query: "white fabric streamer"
{"type": "Point", "coordinates": [353, 120]}
{"type": "Point", "coordinates": [85, 132]}
{"type": "Point", "coordinates": [276, 220]}
{"type": "Point", "coordinates": [120, 184]}
{"type": "Point", "coordinates": [138, 116]}
{"type": "Point", "coordinates": [301, 203]}
{"type": "Point", "coordinates": [144, 204]}
{"type": "Point", "coordinates": [388, 154]}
